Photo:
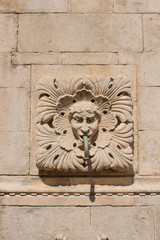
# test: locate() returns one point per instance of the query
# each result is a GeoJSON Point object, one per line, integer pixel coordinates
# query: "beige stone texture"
{"type": "Point", "coordinates": [129, 58]}
{"type": "Point", "coordinates": [44, 223]}
{"type": "Point", "coordinates": [8, 32]}
{"type": "Point", "coordinates": [33, 6]}
{"type": "Point", "coordinates": [149, 151]}
{"type": "Point", "coordinates": [92, 6]}
{"type": "Point", "coordinates": [78, 186]}
{"type": "Point", "coordinates": [148, 108]}
{"type": "Point", "coordinates": [145, 200]}
{"type": "Point", "coordinates": [36, 58]}
{"type": "Point", "coordinates": [14, 105]}
{"type": "Point", "coordinates": [14, 153]}
{"type": "Point", "coordinates": [90, 58]}
{"type": "Point", "coordinates": [64, 58]}
{"type": "Point", "coordinates": [13, 76]}
{"type": "Point", "coordinates": [82, 33]}
{"type": "Point", "coordinates": [66, 200]}
{"type": "Point", "coordinates": [122, 223]}
{"type": "Point", "coordinates": [157, 221]}
{"type": "Point", "coordinates": [148, 72]}
{"type": "Point", "coordinates": [137, 6]}
{"type": "Point", "coordinates": [151, 32]}
{"type": "Point", "coordinates": [67, 70]}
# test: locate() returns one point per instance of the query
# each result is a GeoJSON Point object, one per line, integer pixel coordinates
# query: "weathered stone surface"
{"type": "Point", "coordinates": [145, 200]}
{"type": "Point", "coordinates": [14, 105]}
{"type": "Point", "coordinates": [13, 76]}
{"type": "Point", "coordinates": [61, 71]}
{"type": "Point", "coordinates": [157, 221]}
{"type": "Point", "coordinates": [137, 6]}
{"type": "Point", "coordinates": [64, 58]}
{"type": "Point", "coordinates": [148, 107]}
{"type": "Point", "coordinates": [44, 223]}
{"type": "Point", "coordinates": [66, 200]}
{"type": "Point", "coordinates": [90, 58]}
{"type": "Point", "coordinates": [149, 152]}
{"type": "Point", "coordinates": [122, 223]}
{"type": "Point", "coordinates": [67, 70]}
{"type": "Point", "coordinates": [8, 31]}
{"type": "Point", "coordinates": [36, 58]}
{"type": "Point", "coordinates": [151, 32]}
{"type": "Point", "coordinates": [82, 33]}
{"type": "Point", "coordinates": [148, 74]}
{"type": "Point", "coordinates": [92, 6]}
{"type": "Point", "coordinates": [129, 58]}
{"type": "Point", "coordinates": [78, 186]}
{"type": "Point", "coordinates": [14, 153]}
{"type": "Point", "coordinates": [33, 6]}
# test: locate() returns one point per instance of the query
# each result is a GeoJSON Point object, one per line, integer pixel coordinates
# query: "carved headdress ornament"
{"type": "Point", "coordinates": [84, 124]}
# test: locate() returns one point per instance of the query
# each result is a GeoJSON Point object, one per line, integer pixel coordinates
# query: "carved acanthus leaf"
{"type": "Point", "coordinates": [99, 109]}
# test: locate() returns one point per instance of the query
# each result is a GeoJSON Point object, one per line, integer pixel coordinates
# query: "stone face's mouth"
{"type": "Point", "coordinates": [87, 135]}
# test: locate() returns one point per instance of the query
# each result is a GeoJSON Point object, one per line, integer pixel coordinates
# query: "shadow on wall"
{"type": "Point", "coordinates": [91, 181]}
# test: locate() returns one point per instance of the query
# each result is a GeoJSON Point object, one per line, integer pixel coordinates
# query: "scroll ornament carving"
{"type": "Point", "coordinates": [84, 124]}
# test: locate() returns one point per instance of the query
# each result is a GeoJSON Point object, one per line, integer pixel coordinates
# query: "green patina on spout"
{"type": "Point", "coordinates": [86, 150]}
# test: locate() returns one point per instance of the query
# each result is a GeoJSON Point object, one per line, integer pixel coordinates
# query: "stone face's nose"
{"type": "Point", "coordinates": [85, 128]}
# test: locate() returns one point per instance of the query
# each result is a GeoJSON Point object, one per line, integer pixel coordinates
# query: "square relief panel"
{"type": "Point", "coordinates": [82, 120]}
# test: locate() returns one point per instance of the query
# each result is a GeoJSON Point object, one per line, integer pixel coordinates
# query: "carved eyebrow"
{"type": "Point", "coordinates": [78, 117]}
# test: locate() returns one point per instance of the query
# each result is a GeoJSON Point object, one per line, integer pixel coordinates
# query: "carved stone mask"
{"type": "Point", "coordinates": [84, 118]}
{"type": "Point", "coordinates": [84, 109]}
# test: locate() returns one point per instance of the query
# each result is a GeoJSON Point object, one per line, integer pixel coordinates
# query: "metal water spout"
{"type": "Point", "coordinates": [86, 149]}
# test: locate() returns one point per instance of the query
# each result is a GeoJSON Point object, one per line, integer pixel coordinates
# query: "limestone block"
{"type": "Point", "coordinates": [90, 58]}
{"type": "Point", "coordinates": [13, 76]}
{"type": "Point", "coordinates": [149, 152]}
{"type": "Point", "coordinates": [44, 223]}
{"type": "Point", "coordinates": [148, 74]}
{"type": "Point", "coordinates": [14, 105]}
{"type": "Point", "coordinates": [33, 6]}
{"type": "Point", "coordinates": [92, 6]}
{"type": "Point", "coordinates": [122, 223]}
{"type": "Point", "coordinates": [67, 70]}
{"type": "Point", "coordinates": [148, 107]}
{"type": "Point", "coordinates": [64, 58]}
{"type": "Point", "coordinates": [8, 31]}
{"type": "Point", "coordinates": [157, 221]}
{"type": "Point", "coordinates": [14, 152]}
{"type": "Point", "coordinates": [129, 58]}
{"type": "Point", "coordinates": [82, 33]}
{"type": "Point", "coordinates": [151, 32]}
{"type": "Point", "coordinates": [43, 199]}
{"type": "Point", "coordinates": [108, 190]}
{"type": "Point", "coordinates": [145, 200]}
{"type": "Point", "coordinates": [36, 58]}
{"type": "Point", "coordinates": [137, 6]}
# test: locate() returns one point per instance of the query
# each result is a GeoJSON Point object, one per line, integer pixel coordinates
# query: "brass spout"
{"type": "Point", "coordinates": [86, 150]}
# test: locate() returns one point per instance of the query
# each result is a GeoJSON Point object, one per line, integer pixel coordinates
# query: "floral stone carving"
{"type": "Point", "coordinates": [84, 124]}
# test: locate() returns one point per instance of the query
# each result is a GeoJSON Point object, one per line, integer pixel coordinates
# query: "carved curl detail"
{"type": "Point", "coordinates": [99, 109]}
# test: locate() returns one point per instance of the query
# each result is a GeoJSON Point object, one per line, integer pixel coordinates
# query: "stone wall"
{"type": "Point", "coordinates": [78, 37]}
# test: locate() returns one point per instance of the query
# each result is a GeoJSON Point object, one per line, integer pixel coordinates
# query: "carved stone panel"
{"type": "Point", "coordinates": [84, 124]}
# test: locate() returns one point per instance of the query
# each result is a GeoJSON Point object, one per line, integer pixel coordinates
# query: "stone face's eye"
{"type": "Point", "coordinates": [78, 119]}
{"type": "Point", "coordinates": [90, 120]}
